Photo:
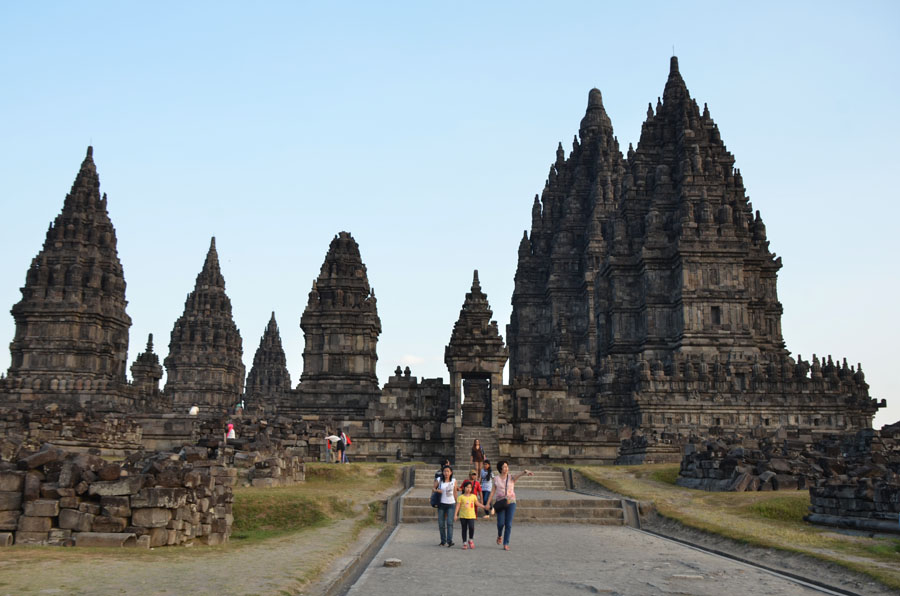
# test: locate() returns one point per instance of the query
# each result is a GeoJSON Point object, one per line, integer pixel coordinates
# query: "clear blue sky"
{"type": "Point", "coordinates": [425, 130]}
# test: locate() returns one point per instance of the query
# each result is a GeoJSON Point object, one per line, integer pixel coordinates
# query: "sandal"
{"type": "Point", "coordinates": [499, 540]}
{"type": "Point", "coordinates": [505, 547]}
{"type": "Point", "coordinates": [465, 546]}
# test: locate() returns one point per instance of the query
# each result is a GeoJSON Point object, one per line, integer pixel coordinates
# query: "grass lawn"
{"type": "Point", "coordinates": [331, 492]}
{"type": "Point", "coordinates": [767, 519]}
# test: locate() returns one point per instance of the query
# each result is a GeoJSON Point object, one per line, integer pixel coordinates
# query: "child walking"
{"type": "Point", "coordinates": [466, 513]}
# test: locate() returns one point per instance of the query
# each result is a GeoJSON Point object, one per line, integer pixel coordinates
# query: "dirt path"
{"type": "Point", "coordinates": [283, 565]}
{"type": "Point", "coordinates": [278, 566]}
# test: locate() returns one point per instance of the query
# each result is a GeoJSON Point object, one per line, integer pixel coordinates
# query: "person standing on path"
{"type": "Point", "coordinates": [467, 513]}
{"type": "Point", "coordinates": [477, 455]}
{"type": "Point", "coordinates": [487, 485]}
{"type": "Point", "coordinates": [347, 442]}
{"type": "Point", "coordinates": [503, 501]}
{"type": "Point", "coordinates": [339, 447]}
{"type": "Point", "coordinates": [448, 489]}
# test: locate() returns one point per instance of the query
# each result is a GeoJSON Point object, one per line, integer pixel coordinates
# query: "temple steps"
{"type": "Point", "coordinates": [541, 498]}
{"type": "Point", "coordinates": [464, 438]}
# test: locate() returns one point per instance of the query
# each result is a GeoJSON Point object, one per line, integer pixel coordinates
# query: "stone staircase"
{"type": "Point", "coordinates": [541, 498]}
{"type": "Point", "coordinates": [464, 438]}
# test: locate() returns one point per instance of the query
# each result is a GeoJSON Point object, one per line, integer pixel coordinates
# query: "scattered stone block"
{"type": "Point", "coordinates": [392, 562]}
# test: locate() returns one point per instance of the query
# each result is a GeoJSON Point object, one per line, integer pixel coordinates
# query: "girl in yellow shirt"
{"type": "Point", "coordinates": [466, 509]}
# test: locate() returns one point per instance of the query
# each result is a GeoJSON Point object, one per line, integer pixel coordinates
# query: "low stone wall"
{"type": "Point", "coordinates": [859, 484]}
{"type": "Point", "coordinates": [59, 498]}
{"type": "Point", "coordinates": [23, 426]}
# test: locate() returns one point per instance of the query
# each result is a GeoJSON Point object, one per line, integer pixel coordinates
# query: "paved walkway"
{"type": "Point", "coordinates": [557, 560]}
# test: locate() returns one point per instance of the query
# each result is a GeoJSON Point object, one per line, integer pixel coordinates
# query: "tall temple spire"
{"type": "Point", "coordinates": [204, 366]}
{"type": "Point", "coordinates": [555, 280]}
{"type": "Point", "coordinates": [340, 323]}
{"type": "Point", "coordinates": [71, 323]}
{"type": "Point", "coordinates": [269, 380]}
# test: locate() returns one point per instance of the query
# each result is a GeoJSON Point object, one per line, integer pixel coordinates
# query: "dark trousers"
{"type": "Point", "coordinates": [504, 522]}
{"type": "Point", "coordinates": [467, 524]}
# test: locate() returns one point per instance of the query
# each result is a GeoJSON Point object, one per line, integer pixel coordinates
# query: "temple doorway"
{"type": "Point", "coordinates": [476, 398]}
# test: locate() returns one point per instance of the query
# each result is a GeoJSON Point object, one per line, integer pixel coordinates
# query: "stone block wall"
{"type": "Point", "coordinates": [54, 497]}
{"type": "Point", "coordinates": [23, 426]}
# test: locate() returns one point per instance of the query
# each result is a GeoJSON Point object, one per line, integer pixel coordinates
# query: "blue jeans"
{"type": "Point", "coordinates": [485, 497]}
{"type": "Point", "coordinates": [504, 522]}
{"type": "Point", "coordinates": [445, 521]}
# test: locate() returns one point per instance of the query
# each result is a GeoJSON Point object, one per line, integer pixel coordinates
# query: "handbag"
{"type": "Point", "coordinates": [435, 497]}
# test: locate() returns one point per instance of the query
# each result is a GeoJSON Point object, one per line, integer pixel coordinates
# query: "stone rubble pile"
{"type": "Point", "coordinates": [859, 482]}
{"type": "Point", "coordinates": [738, 463]}
{"type": "Point", "coordinates": [55, 497]}
{"type": "Point", "coordinates": [264, 453]}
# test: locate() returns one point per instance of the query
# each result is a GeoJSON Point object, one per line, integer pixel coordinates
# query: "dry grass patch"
{"type": "Point", "coordinates": [766, 519]}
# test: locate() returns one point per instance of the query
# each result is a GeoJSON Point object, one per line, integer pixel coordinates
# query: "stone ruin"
{"type": "Point", "coordinates": [859, 482]}
{"type": "Point", "coordinates": [853, 479]}
{"type": "Point", "coordinates": [762, 461]}
{"type": "Point", "coordinates": [51, 496]}
{"type": "Point", "coordinates": [645, 311]}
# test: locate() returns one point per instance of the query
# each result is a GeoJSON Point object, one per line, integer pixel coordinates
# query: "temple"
{"type": "Point", "coordinates": [645, 311]}
{"type": "Point", "coordinates": [204, 366]}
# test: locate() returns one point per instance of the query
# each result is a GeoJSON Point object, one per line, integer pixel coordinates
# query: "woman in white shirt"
{"type": "Point", "coordinates": [446, 485]}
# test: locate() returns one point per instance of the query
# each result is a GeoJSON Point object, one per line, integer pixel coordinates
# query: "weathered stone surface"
{"type": "Point", "coordinates": [42, 508]}
{"type": "Point", "coordinates": [109, 524]}
{"type": "Point", "coordinates": [170, 498]}
{"type": "Point", "coordinates": [75, 520]}
{"type": "Point", "coordinates": [151, 517]}
{"type": "Point", "coordinates": [6, 538]}
{"type": "Point", "coordinates": [27, 537]}
{"type": "Point", "coordinates": [115, 506]}
{"type": "Point", "coordinates": [110, 472]}
{"type": "Point", "coordinates": [105, 539]}
{"type": "Point", "coordinates": [10, 501]}
{"type": "Point", "coordinates": [32, 488]}
{"type": "Point", "coordinates": [9, 520]}
{"type": "Point", "coordinates": [34, 524]}
{"type": "Point", "coordinates": [158, 537]}
{"type": "Point", "coordinates": [12, 481]}
{"type": "Point", "coordinates": [129, 485]}
{"type": "Point", "coordinates": [44, 456]}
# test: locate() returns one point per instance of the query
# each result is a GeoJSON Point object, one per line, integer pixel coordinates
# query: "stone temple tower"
{"type": "Point", "coordinates": [71, 325]}
{"type": "Point", "coordinates": [269, 380]}
{"type": "Point", "coordinates": [204, 366]}
{"type": "Point", "coordinates": [340, 323]}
